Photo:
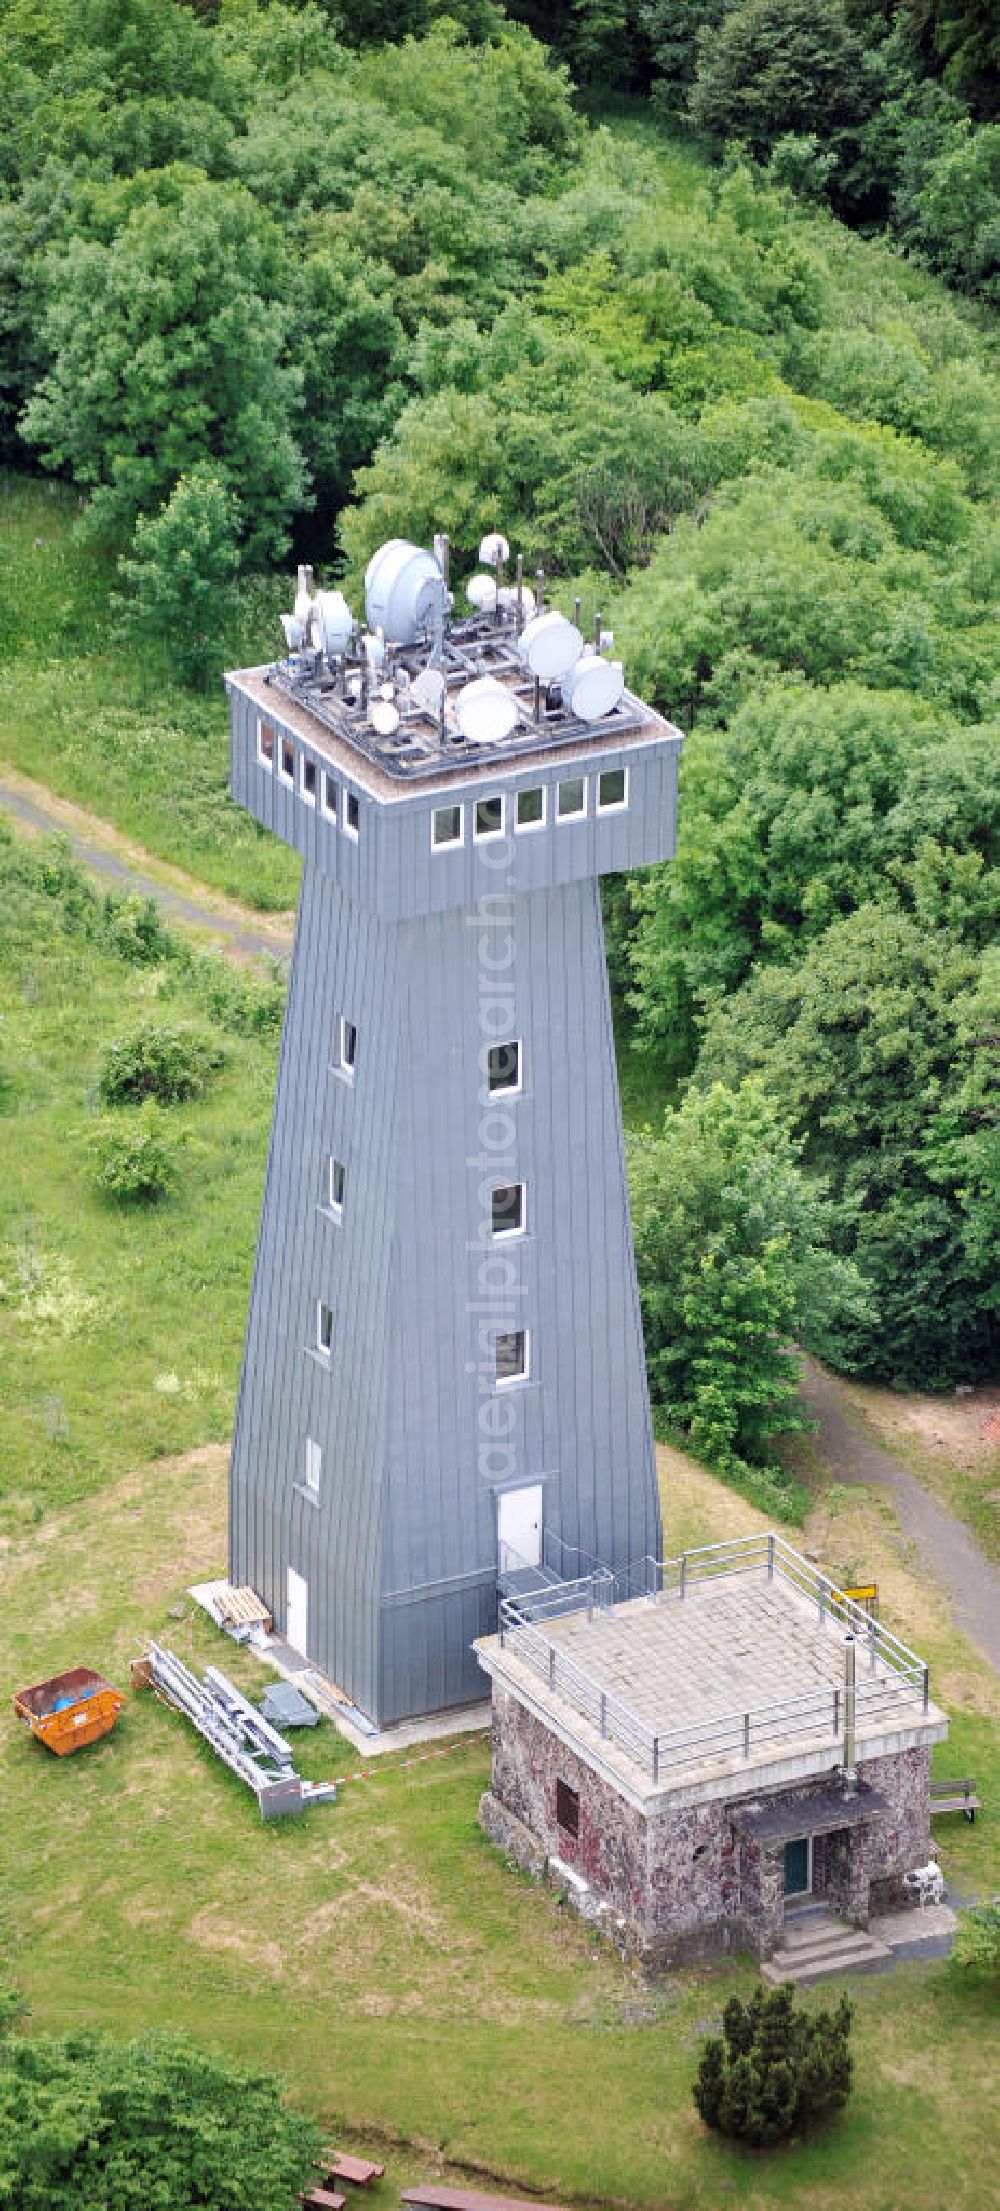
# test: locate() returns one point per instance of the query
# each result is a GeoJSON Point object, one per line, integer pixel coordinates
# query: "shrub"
{"type": "Point", "coordinates": [135, 1163]}
{"type": "Point", "coordinates": [977, 1939]}
{"type": "Point", "coordinates": [776, 2068]}
{"type": "Point", "coordinates": [158, 1062]}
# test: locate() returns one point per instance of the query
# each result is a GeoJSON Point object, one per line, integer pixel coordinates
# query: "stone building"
{"type": "Point", "coordinates": [696, 1760]}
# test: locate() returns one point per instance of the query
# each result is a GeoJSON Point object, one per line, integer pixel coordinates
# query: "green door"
{"type": "Point", "coordinates": [797, 1866]}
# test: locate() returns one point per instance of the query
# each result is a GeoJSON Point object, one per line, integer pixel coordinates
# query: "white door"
{"type": "Point", "coordinates": [297, 1611]}
{"type": "Point", "coordinates": [519, 1527]}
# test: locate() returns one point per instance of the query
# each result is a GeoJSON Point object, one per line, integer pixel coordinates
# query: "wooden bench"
{"type": "Point", "coordinates": [322, 2199]}
{"type": "Point", "coordinates": [469, 2199]}
{"type": "Point", "coordinates": [955, 1796]}
{"type": "Point", "coordinates": [360, 2171]}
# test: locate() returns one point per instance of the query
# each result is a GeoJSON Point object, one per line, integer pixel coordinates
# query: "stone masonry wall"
{"type": "Point", "coordinates": [610, 1850]}
{"type": "Point", "coordinates": [902, 1839]}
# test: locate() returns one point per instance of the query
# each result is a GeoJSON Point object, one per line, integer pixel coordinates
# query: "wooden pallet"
{"type": "Point", "coordinates": [241, 1608]}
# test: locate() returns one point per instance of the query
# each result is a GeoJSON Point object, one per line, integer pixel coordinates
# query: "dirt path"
{"type": "Point", "coordinates": [944, 1547]}
{"type": "Point", "coordinates": [107, 853]}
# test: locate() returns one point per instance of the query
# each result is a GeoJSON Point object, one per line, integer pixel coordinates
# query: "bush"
{"type": "Point", "coordinates": [135, 1163]}
{"type": "Point", "coordinates": [775, 2069]}
{"type": "Point", "coordinates": [158, 1062]}
{"type": "Point", "coordinates": [977, 1940]}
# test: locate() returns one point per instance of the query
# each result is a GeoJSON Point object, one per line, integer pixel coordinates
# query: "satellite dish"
{"type": "Point", "coordinates": [384, 718]}
{"type": "Point", "coordinates": [594, 687]}
{"type": "Point", "coordinates": [404, 589]}
{"type": "Point", "coordinates": [485, 711]}
{"type": "Point", "coordinates": [507, 598]}
{"type": "Point", "coordinates": [374, 647]}
{"type": "Point", "coordinates": [294, 633]}
{"type": "Point", "coordinates": [550, 645]}
{"type": "Point", "coordinates": [333, 624]}
{"type": "Point", "coordinates": [427, 690]}
{"type": "Point", "coordinates": [481, 592]}
{"type": "Point", "coordinates": [493, 549]}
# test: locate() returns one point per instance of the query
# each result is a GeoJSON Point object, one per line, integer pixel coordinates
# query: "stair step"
{"type": "Point", "coordinates": [857, 1954]}
{"type": "Point", "coordinates": [824, 1946]}
{"type": "Point", "coordinates": [823, 1927]}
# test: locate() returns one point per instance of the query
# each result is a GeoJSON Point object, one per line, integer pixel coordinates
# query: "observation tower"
{"type": "Point", "coordinates": [443, 1382]}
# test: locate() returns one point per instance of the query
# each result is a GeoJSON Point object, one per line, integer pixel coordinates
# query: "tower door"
{"type": "Point", "coordinates": [519, 1527]}
{"type": "Point", "coordinates": [297, 1611]}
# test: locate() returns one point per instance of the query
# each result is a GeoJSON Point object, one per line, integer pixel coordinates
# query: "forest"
{"type": "Point", "coordinates": [696, 303]}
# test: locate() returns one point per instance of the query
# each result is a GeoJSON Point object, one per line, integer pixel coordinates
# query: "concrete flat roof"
{"type": "Point", "coordinates": [735, 1644]}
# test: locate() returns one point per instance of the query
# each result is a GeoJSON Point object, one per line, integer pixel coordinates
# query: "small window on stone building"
{"type": "Point", "coordinates": [567, 1808]}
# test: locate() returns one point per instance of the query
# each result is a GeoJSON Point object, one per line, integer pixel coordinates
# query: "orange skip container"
{"type": "Point", "coordinates": [69, 1711]}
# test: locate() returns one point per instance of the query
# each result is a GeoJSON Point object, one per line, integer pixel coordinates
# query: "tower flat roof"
{"type": "Point", "coordinates": [333, 704]}
{"type": "Point", "coordinates": [692, 1672]}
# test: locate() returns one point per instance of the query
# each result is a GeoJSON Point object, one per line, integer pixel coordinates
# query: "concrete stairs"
{"type": "Point", "coordinates": [816, 1945]}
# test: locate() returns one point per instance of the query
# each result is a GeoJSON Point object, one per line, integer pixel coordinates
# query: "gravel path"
{"type": "Point", "coordinates": [230, 923]}
{"type": "Point", "coordinates": [945, 1546]}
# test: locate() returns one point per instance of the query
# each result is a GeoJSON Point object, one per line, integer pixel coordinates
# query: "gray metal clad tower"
{"type": "Point", "coordinates": [443, 1375]}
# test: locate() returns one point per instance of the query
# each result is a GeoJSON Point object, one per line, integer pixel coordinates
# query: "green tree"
{"type": "Point", "coordinates": [181, 576]}
{"type": "Point", "coordinates": [776, 2069]}
{"type": "Point", "coordinates": [775, 66]}
{"type": "Point", "coordinates": [168, 347]}
{"type": "Point", "coordinates": [153, 2121]}
{"type": "Point", "coordinates": [732, 1252]}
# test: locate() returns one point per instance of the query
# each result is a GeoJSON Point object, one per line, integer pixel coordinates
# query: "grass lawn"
{"type": "Point", "coordinates": [82, 716]}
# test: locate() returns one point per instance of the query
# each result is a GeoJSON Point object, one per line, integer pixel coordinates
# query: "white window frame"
{"type": "Point", "coordinates": [486, 836]}
{"type": "Point", "coordinates": [612, 805]}
{"type": "Point", "coordinates": [343, 1066]}
{"type": "Point", "coordinates": [330, 785]}
{"type": "Point", "coordinates": [323, 1311]}
{"type": "Point", "coordinates": [312, 1466]}
{"type": "Point", "coordinates": [351, 828]}
{"type": "Point", "coordinates": [306, 761]}
{"type": "Point", "coordinates": [513, 1381]}
{"type": "Point", "coordinates": [529, 828]}
{"type": "Point", "coordinates": [508, 1235]}
{"type": "Point", "coordinates": [507, 1089]}
{"type": "Point", "coordinates": [448, 844]}
{"type": "Point", "coordinates": [287, 775]}
{"type": "Point", "coordinates": [262, 759]}
{"type": "Point", "coordinates": [581, 811]}
{"type": "Point", "coordinates": [334, 1204]}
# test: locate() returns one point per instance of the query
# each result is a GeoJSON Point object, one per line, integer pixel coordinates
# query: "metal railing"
{"type": "Point", "coordinates": [905, 1681]}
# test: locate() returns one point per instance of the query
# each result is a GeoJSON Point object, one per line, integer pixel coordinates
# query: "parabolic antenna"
{"type": "Point", "coordinates": [333, 624]}
{"type": "Point", "coordinates": [507, 598]}
{"type": "Point", "coordinates": [294, 632]}
{"type": "Point", "coordinates": [594, 687]}
{"type": "Point", "coordinates": [427, 690]}
{"type": "Point", "coordinates": [485, 711]}
{"type": "Point", "coordinates": [549, 645]}
{"type": "Point", "coordinates": [481, 592]}
{"type": "Point", "coordinates": [494, 548]}
{"type": "Point", "coordinates": [404, 588]}
{"type": "Point", "coordinates": [384, 718]}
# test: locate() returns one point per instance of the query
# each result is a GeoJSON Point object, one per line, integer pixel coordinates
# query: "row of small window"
{"type": "Point", "coordinates": [530, 808]}
{"type": "Point", "coordinates": [503, 1062]}
{"type": "Point", "coordinates": [314, 782]}
{"type": "Point", "coordinates": [512, 1354]}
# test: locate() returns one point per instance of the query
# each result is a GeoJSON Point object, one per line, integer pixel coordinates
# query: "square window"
{"type": "Point", "coordinates": [313, 1466]}
{"type": "Point", "coordinates": [265, 744]}
{"type": "Point", "coordinates": [508, 1208]}
{"type": "Point", "coordinates": [308, 779]}
{"type": "Point", "coordinates": [511, 1349]}
{"type": "Point", "coordinates": [504, 1067]}
{"type": "Point", "coordinates": [571, 798]}
{"type": "Point", "coordinates": [567, 1808]}
{"type": "Point", "coordinates": [489, 816]}
{"type": "Point", "coordinates": [329, 795]}
{"type": "Point", "coordinates": [446, 826]}
{"type": "Point", "coordinates": [324, 1329]}
{"type": "Point", "coordinates": [612, 790]}
{"type": "Point", "coordinates": [287, 760]}
{"type": "Point", "coordinates": [352, 814]}
{"type": "Point", "coordinates": [531, 808]}
{"type": "Point", "coordinates": [335, 1179]}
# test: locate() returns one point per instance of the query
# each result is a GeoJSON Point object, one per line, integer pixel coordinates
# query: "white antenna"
{"type": "Point", "coordinates": [427, 690]}
{"type": "Point", "coordinates": [494, 550]}
{"type": "Point", "coordinates": [405, 591]}
{"type": "Point", "coordinates": [594, 687]}
{"type": "Point", "coordinates": [549, 645]}
{"type": "Point", "coordinates": [332, 623]}
{"type": "Point", "coordinates": [384, 717]}
{"type": "Point", "coordinates": [294, 633]}
{"type": "Point", "coordinates": [485, 711]}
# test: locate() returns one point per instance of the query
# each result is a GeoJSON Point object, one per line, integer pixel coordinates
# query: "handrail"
{"type": "Point", "coordinates": [782, 1720]}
